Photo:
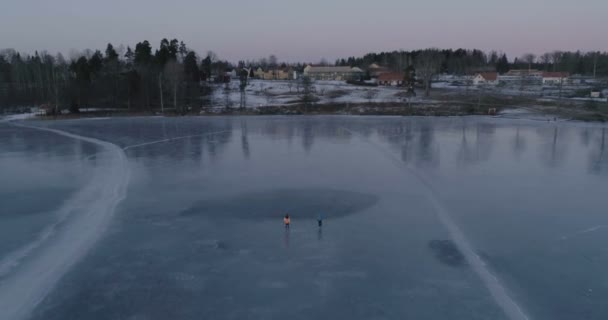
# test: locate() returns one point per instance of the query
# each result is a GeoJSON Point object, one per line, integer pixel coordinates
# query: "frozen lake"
{"type": "Point", "coordinates": [181, 218]}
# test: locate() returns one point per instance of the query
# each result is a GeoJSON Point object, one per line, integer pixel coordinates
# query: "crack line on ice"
{"type": "Point", "coordinates": [173, 139]}
{"type": "Point", "coordinates": [497, 290]}
{"type": "Point", "coordinates": [588, 230]}
{"type": "Point", "coordinates": [87, 214]}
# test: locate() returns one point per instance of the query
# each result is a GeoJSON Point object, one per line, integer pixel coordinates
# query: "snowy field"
{"type": "Point", "coordinates": [271, 93]}
{"type": "Point", "coordinates": [274, 93]}
{"type": "Point", "coordinates": [425, 218]}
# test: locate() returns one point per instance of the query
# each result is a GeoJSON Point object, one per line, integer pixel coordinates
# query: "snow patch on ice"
{"type": "Point", "coordinates": [86, 216]}
{"type": "Point", "coordinates": [15, 117]}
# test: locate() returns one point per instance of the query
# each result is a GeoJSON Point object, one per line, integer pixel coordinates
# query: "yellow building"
{"type": "Point", "coordinates": [275, 74]}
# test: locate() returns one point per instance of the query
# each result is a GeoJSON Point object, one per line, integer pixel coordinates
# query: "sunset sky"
{"type": "Point", "coordinates": [307, 30]}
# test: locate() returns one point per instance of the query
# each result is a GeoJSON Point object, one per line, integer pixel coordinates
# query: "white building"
{"type": "Point", "coordinates": [485, 78]}
{"type": "Point", "coordinates": [555, 78]}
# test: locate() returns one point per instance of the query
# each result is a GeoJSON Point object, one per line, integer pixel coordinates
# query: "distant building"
{"type": "Point", "coordinates": [274, 74]}
{"type": "Point", "coordinates": [521, 76]}
{"type": "Point", "coordinates": [485, 78]}
{"type": "Point", "coordinates": [376, 70]}
{"type": "Point", "coordinates": [258, 73]}
{"type": "Point", "coordinates": [333, 73]}
{"type": "Point", "coordinates": [580, 79]}
{"type": "Point", "coordinates": [525, 73]}
{"type": "Point", "coordinates": [553, 78]}
{"type": "Point", "coordinates": [391, 79]}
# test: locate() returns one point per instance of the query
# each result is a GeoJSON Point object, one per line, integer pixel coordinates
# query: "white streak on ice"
{"type": "Point", "coordinates": [173, 139]}
{"type": "Point", "coordinates": [497, 290]}
{"type": "Point", "coordinates": [592, 229]}
{"type": "Point", "coordinates": [86, 216]}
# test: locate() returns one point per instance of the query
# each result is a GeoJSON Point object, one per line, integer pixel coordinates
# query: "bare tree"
{"type": "Point", "coordinates": [427, 64]}
{"type": "Point", "coordinates": [160, 88]}
{"type": "Point", "coordinates": [174, 74]}
{"type": "Point", "coordinates": [270, 98]}
{"type": "Point", "coordinates": [595, 63]}
{"type": "Point", "coordinates": [333, 95]}
{"type": "Point", "coordinates": [290, 85]}
{"type": "Point", "coordinates": [227, 98]}
{"type": "Point", "coordinates": [243, 79]}
{"type": "Point", "coordinates": [272, 64]}
{"type": "Point", "coordinates": [322, 91]}
{"type": "Point", "coordinates": [263, 63]}
{"type": "Point", "coordinates": [556, 59]}
{"type": "Point", "coordinates": [308, 92]}
{"type": "Point", "coordinates": [60, 74]}
{"type": "Point", "coordinates": [529, 58]}
{"type": "Point", "coordinates": [371, 94]}
{"type": "Point", "coordinates": [545, 59]}
{"type": "Point", "coordinates": [212, 56]}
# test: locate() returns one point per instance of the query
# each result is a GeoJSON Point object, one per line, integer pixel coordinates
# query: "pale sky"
{"type": "Point", "coordinates": [307, 30]}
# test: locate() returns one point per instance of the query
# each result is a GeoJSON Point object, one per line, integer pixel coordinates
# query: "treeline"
{"type": "Point", "coordinates": [463, 61]}
{"type": "Point", "coordinates": [136, 78]}
{"type": "Point", "coordinates": [173, 76]}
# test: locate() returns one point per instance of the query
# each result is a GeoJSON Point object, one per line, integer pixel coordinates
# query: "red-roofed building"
{"type": "Point", "coordinates": [376, 70]}
{"type": "Point", "coordinates": [391, 79]}
{"type": "Point", "coordinates": [555, 77]}
{"type": "Point", "coordinates": [485, 78]}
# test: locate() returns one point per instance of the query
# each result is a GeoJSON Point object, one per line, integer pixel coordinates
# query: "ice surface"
{"type": "Point", "coordinates": [82, 221]}
{"type": "Point", "coordinates": [200, 233]}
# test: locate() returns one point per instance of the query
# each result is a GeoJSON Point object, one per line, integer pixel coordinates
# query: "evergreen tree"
{"type": "Point", "coordinates": [206, 68]}
{"type": "Point", "coordinates": [143, 53]}
{"type": "Point", "coordinates": [191, 69]}
{"type": "Point", "coordinates": [96, 63]}
{"type": "Point", "coordinates": [129, 56]}
{"type": "Point", "coordinates": [111, 54]}
{"type": "Point", "coordinates": [163, 54]}
{"type": "Point", "coordinates": [502, 65]}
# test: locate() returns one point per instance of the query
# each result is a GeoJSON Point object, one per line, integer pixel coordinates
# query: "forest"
{"type": "Point", "coordinates": [137, 79]}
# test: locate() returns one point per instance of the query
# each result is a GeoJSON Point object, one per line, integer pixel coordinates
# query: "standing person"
{"type": "Point", "coordinates": [287, 221]}
{"type": "Point", "coordinates": [320, 220]}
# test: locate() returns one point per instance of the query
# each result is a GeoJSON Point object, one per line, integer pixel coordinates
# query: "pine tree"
{"type": "Point", "coordinates": [111, 54]}
{"type": "Point", "coordinates": [143, 53]}
{"type": "Point", "coordinates": [129, 56]}
{"type": "Point", "coordinates": [191, 69]}
{"type": "Point", "coordinates": [502, 65]}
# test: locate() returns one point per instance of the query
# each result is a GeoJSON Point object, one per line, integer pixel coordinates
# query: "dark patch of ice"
{"type": "Point", "coordinates": [273, 204]}
{"type": "Point", "coordinates": [447, 252]}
